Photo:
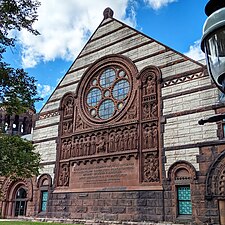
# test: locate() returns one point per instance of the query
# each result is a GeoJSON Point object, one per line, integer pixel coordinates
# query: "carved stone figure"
{"type": "Point", "coordinates": [73, 150]}
{"type": "Point", "coordinates": [151, 168]}
{"type": "Point", "coordinates": [146, 138]}
{"type": "Point", "coordinates": [68, 149]}
{"type": "Point", "coordinates": [117, 142]}
{"type": "Point", "coordinates": [88, 146]}
{"type": "Point", "coordinates": [154, 109]}
{"type": "Point", "coordinates": [150, 138]}
{"type": "Point", "coordinates": [64, 149]}
{"type": "Point", "coordinates": [154, 136]}
{"type": "Point", "coordinates": [146, 111]}
{"type": "Point", "coordinates": [126, 137]}
{"type": "Point", "coordinates": [93, 145]}
{"type": "Point", "coordinates": [81, 147]}
{"type": "Point", "coordinates": [77, 147]}
{"type": "Point", "coordinates": [121, 142]}
{"type": "Point", "coordinates": [150, 88]}
{"type": "Point", "coordinates": [101, 145]}
{"type": "Point", "coordinates": [64, 175]}
{"type": "Point", "coordinates": [111, 143]}
{"type": "Point", "coordinates": [68, 107]}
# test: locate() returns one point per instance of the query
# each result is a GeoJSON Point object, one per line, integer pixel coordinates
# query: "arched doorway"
{"type": "Point", "coordinates": [17, 198]}
{"type": "Point", "coordinates": [20, 202]}
{"type": "Point", "coordinates": [215, 186]}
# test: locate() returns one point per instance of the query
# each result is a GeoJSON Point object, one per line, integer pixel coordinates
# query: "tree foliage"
{"type": "Point", "coordinates": [17, 90]}
{"type": "Point", "coordinates": [17, 157]}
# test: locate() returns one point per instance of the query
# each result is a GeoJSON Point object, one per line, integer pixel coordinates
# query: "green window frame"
{"type": "Point", "coordinates": [184, 200]}
{"type": "Point", "coordinates": [44, 200]}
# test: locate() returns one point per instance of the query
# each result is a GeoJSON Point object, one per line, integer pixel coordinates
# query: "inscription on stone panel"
{"type": "Point", "coordinates": [102, 175]}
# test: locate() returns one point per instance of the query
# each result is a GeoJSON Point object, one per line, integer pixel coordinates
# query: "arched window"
{"type": "Point", "coordinates": [181, 175]}
{"type": "Point", "coordinates": [20, 202]}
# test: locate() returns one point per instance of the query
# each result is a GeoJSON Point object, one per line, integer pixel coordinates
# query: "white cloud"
{"type": "Point", "coordinates": [44, 90]}
{"type": "Point", "coordinates": [64, 27]}
{"type": "Point", "coordinates": [195, 51]}
{"type": "Point", "coordinates": [157, 4]}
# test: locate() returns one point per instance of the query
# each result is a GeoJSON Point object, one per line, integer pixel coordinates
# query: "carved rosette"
{"type": "Point", "coordinates": [151, 167]}
{"type": "Point", "coordinates": [64, 174]}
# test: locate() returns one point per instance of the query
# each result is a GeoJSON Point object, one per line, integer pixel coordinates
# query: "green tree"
{"type": "Point", "coordinates": [17, 90]}
{"type": "Point", "coordinates": [17, 157]}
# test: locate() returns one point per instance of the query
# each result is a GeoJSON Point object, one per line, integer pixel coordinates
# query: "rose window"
{"type": "Point", "coordinates": [107, 93]}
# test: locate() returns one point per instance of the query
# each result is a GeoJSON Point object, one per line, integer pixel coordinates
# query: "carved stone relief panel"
{"type": "Point", "coordinates": [149, 96]}
{"type": "Point", "coordinates": [67, 127]}
{"type": "Point", "coordinates": [66, 148]}
{"type": "Point", "coordinates": [151, 167]}
{"type": "Point", "coordinates": [150, 136]}
{"type": "Point", "coordinates": [80, 124]}
{"type": "Point", "coordinates": [68, 106]}
{"type": "Point", "coordinates": [64, 174]}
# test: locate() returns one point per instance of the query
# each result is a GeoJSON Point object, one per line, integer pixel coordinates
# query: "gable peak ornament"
{"type": "Point", "coordinates": [108, 13]}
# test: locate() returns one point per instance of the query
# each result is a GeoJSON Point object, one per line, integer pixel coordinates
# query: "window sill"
{"type": "Point", "coordinates": [184, 218]}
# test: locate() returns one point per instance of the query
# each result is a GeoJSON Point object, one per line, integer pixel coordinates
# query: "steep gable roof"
{"type": "Point", "coordinates": [114, 37]}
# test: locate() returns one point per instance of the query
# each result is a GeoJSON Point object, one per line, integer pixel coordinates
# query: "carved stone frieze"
{"type": "Point", "coordinates": [151, 167]}
{"type": "Point", "coordinates": [103, 142]}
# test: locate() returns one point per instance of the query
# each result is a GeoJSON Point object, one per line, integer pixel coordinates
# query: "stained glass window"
{"type": "Point", "coordinates": [107, 78]}
{"type": "Point", "coordinates": [184, 200]}
{"type": "Point", "coordinates": [121, 89]}
{"type": "Point", "coordinates": [94, 96]}
{"type": "Point", "coordinates": [108, 92]}
{"type": "Point", "coordinates": [106, 109]}
{"type": "Point", "coordinates": [44, 200]}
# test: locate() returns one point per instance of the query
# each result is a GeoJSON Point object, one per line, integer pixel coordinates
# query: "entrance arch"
{"type": "Point", "coordinates": [215, 185]}
{"type": "Point", "coordinates": [16, 195]}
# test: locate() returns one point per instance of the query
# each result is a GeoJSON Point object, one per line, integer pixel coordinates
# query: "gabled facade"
{"type": "Point", "coordinates": [120, 140]}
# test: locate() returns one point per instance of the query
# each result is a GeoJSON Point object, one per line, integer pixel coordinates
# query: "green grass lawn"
{"type": "Point", "coordinates": [29, 223]}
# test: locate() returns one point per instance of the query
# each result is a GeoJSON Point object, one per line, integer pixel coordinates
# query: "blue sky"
{"type": "Point", "coordinates": [65, 26]}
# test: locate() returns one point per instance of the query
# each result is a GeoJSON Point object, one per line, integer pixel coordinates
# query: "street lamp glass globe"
{"type": "Point", "coordinates": [215, 55]}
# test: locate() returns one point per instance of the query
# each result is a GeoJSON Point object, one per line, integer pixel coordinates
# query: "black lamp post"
{"type": "Point", "coordinates": [213, 44]}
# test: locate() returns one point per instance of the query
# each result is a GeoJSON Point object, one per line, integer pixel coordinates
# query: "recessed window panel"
{"type": "Point", "coordinates": [107, 78]}
{"type": "Point", "coordinates": [94, 96]}
{"type": "Point", "coordinates": [184, 200]}
{"type": "Point", "coordinates": [106, 109]}
{"type": "Point", "coordinates": [121, 89]}
{"type": "Point", "coordinates": [44, 200]}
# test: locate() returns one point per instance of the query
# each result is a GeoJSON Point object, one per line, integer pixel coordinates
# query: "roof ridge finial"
{"type": "Point", "coordinates": [108, 13]}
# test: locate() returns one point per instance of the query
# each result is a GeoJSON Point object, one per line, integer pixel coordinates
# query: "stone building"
{"type": "Point", "coordinates": [120, 140]}
{"type": "Point", "coordinates": [14, 125]}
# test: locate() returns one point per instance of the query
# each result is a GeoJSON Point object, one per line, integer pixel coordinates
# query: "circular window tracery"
{"type": "Point", "coordinates": [107, 93]}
